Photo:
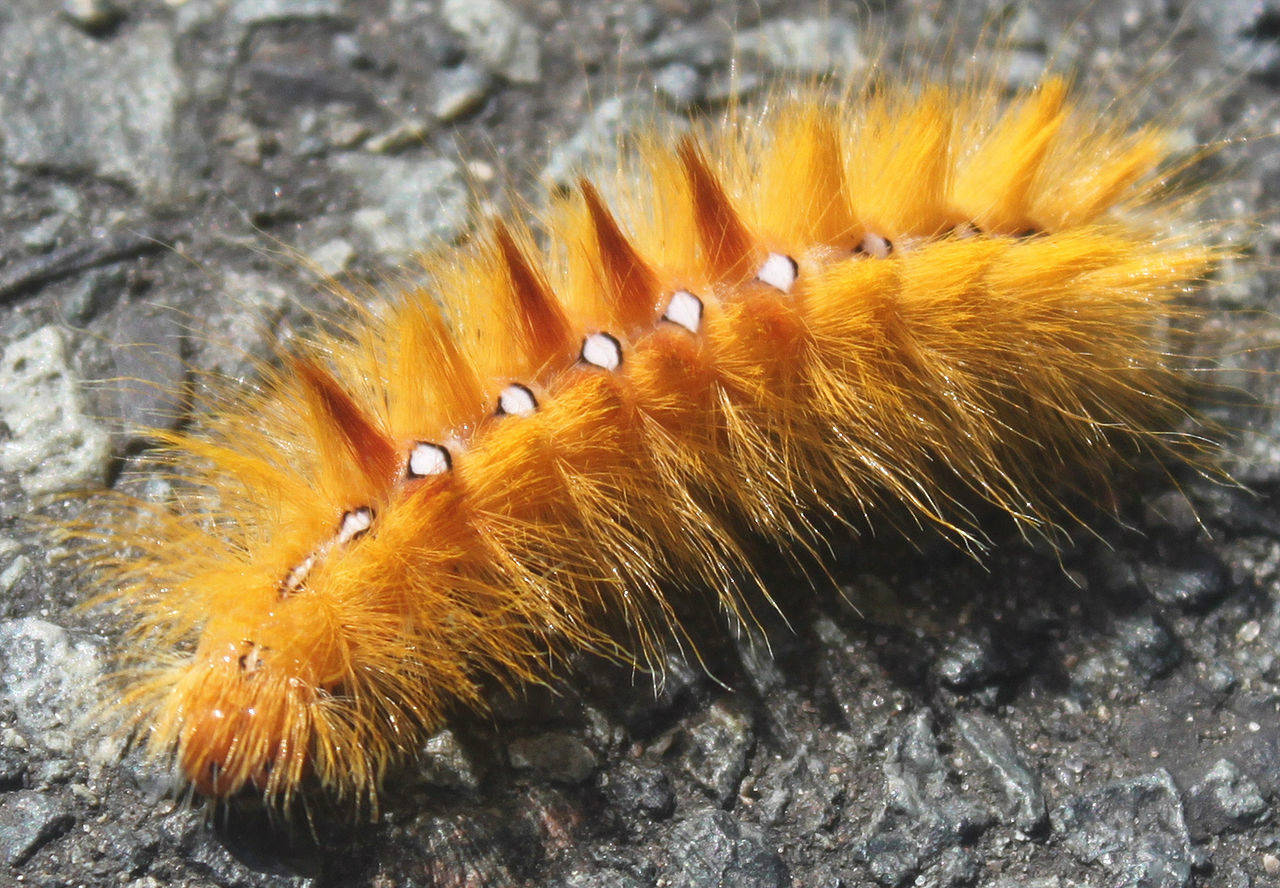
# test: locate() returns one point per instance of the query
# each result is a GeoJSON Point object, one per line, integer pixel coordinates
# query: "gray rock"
{"type": "Point", "coordinates": [93, 16]}
{"type": "Point", "coordinates": [1235, 877]}
{"type": "Point", "coordinates": [92, 292]}
{"type": "Point", "coordinates": [1134, 829]}
{"type": "Point", "coordinates": [1172, 511]}
{"type": "Point", "coordinates": [1220, 678]}
{"type": "Point", "coordinates": [28, 821]}
{"type": "Point", "coordinates": [47, 675]}
{"type": "Point", "coordinates": [14, 759]}
{"type": "Point", "coordinates": [634, 787]}
{"type": "Point", "coordinates": [560, 757]}
{"type": "Point", "coordinates": [70, 102]}
{"type": "Point", "coordinates": [349, 51]}
{"type": "Point", "coordinates": [498, 36]}
{"type": "Point", "coordinates": [699, 46]}
{"type": "Point", "coordinates": [1024, 28]}
{"type": "Point", "coordinates": [147, 350]}
{"type": "Point", "coordinates": [806, 789]}
{"type": "Point", "coordinates": [257, 12]}
{"type": "Point", "coordinates": [52, 445]}
{"type": "Point", "coordinates": [713, 850]}
{"type": "Point", "coordinates": [922, 816]}
{"type": "Point", "coordinates": [1224, 800]}
{"type": "Point", "coordinates": [333, 256]}
{"type": "Point", "coordinates": [1193, 587]}
{"type": "Point", "coordinates": [596, 141]}
{"type": "Point", "coordinates": [407, 203]}
{"type": "Point", "coordinates": [958, 868]}
{"type": "Point", "coordinates": [46, 233]}
{"type": "Point", "coordinates": [459, 92]}
{"type": "Point", "coordinates": [409, 134]}
{"type": "Point", "coordinates": [247, 304]}
{"type": "Point", "coordinates": [1150, 648]}
{"type": "Point", "coordinates": [717, 748]}
{"type": "Point", "coordinates": [682, 85]}
{"type": "Point", "coordinates": [969, 663]}
{"type": "Point", "coordinates": [217, 860]}
{"type": "Point", "coordinates": [12, 572]}
{"type": "Point", "coordinates": [13, 563]}
{"type": "Point", "coordinates": [1020, 785]}
{"type": "Point", "coordinates": [603, 879]}
{"type": "Point", "coordinates": [443, 762]}
{"type": "Point", "coordinates": [342, 133]}
{"type": "Point", "coordinates": [759, 663]}
{"type": "Point", "coordinates": [810, 45]}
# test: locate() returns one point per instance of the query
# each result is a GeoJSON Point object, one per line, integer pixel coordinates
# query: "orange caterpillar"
{"type": "Point", "coordinates": [897, 302]}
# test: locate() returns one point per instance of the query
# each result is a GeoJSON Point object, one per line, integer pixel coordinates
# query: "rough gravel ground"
{"type": "Point", "coordinates": [176, 177]}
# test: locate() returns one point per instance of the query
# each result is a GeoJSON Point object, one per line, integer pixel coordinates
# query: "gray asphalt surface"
{"type": "Point", "coordinates": [175, 180]}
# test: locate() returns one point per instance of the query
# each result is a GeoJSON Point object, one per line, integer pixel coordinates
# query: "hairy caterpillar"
{"type": "Point", "coordinates": [903, 299]}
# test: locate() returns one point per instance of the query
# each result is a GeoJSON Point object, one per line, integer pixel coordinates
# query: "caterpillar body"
{"type": "Point", "coordinates": [894, 301]}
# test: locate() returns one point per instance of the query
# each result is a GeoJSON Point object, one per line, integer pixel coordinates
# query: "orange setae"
{"type": "Point", "coordinates": [908, 297]}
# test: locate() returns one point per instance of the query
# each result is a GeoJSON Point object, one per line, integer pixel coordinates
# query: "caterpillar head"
{"type": "Point", "coordinates": [264, 700]}
{"type": "Point", "coordinates": [245, 713]}
{"type": "Point", "coordinates": [295, 677]}
{"type": "Point", "coordinates": [243, 722]}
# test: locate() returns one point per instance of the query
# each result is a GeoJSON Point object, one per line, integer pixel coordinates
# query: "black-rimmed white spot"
{"type": "Point", "coordinates": [251, 660]}
{"type": "Point", "coordinates": [684, 309]}
{"type": "Point", "coordinates": [516, 400]}
{"type": "Point", "coordinates": [355, 524]}
{"type": "Point", "coordinates": [780, 271]}
{"type": "Point", "coordinates": [875, 246]}
{"type": "Point", "coordinates": [426, 459]}
{"type": "Point", "coordinates": [294, 579]}
{"type": "Point", "coordinates": [602, 350]}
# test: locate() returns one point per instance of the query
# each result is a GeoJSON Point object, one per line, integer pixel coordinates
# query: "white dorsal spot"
{"type": "Point", "coordinates": [354, 524]}
{"type": "Point", "coordinates": [684, 309]}
{"type": "Point", "coordinates": [875, 246]}
{"type": "Point", "coordinates": [779, 271]}
{"type": "Point", "coordinates": [428, 459]}
{"type": "Point", "coordinates": [603, 351]}
{"type": "Point", "coordinates": [251, 660]}
{"type": "Point", "coordinates": [517, 400]}
{"type": "Point", "coordinates": [295, 578]}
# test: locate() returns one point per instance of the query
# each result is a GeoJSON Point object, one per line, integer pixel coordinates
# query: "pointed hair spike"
{"type": "Point", "coordinates": [541, 324]}
{"type": "Point", "coordinates": [803, 197]}
{"type": "Point", "coordinates": [728, 246]}
{"type": "Point", "coordinates": [996, 186]}
{"type": "Point", "coordinates": [361, 445]}
{"type": "Point", "coordinates": [632, 285]}
{"type": "Point", "coordinates": [428, 349]}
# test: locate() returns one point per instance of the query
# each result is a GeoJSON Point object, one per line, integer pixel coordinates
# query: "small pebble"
{"type": "Point", "coordinates": [94, 17]}
{"type": "Point", "coordinates": [406, 135]}
{"type": "Point", "coordinates": [462, 91]}
{"type": "Point", "coordinates": [561, 757]}
{"type": "Point", "coordinates": [28, 821]}
{"type": "Point", "coordinates": [680, 84]}
{"type": "Point", "coordinates": [332, 257]}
